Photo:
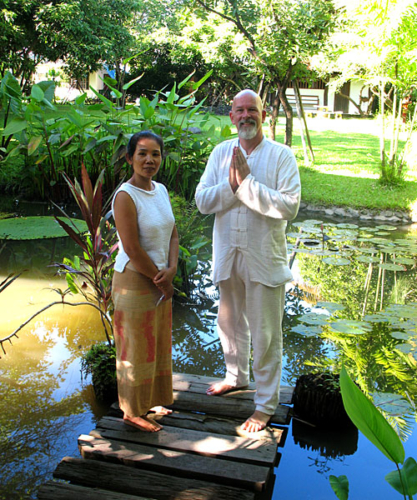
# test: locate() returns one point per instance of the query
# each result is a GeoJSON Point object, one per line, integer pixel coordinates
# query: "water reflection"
{"type": "Point", "coordinates": [43, 402]}
{"type": "Point", "coordinates": [45, 406]}
{"type": "Point", "coordinates": [354, 280]}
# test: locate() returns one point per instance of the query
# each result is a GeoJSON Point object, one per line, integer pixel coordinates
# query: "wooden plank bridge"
{"type": "Point", "coordinates": [200, 454]}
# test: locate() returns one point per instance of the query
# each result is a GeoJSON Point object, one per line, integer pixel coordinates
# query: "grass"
{"type": "Point", "coordinates": [347, 165]}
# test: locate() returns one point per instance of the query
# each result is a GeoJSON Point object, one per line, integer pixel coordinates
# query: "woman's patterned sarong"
{"type": "Point", "coordinates": [142, 335]}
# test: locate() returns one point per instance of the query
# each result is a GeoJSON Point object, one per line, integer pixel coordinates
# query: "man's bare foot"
{"type": "Point", "coordinates": [257, 422]}
{"type": "Point", "coordinates": [161, 410]}
{"type": "Point", "coordinates": [220, 388]}
{"type": "Point", "coordinates": [142, 423]}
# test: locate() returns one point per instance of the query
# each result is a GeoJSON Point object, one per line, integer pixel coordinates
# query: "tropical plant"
{"type": "Point", "coordinates": [55, 140]}
{"type": "Point", "coordinates": [91, 274]}
{"type": "Point", "coordinates": [375, 428]}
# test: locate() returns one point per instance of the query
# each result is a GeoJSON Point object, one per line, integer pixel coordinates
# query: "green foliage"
{"type": "Point", "coordinates": [194, 244]}
{"type": "Point", "coordinates": [92, 273]}
{"type": "Point", "coordinates": [34, 228]}
{"type": "Point", "coordinates": [100, 362]}
{"type": "Point", "coordinates": [404, 481]}
{"type": "Point", "coordinates": [373, 425]}
{"type": "Point", "coordinates": [340, 486]}
{"type": "Point", "coordinates": [55, 140]}
{"type": "Point", "coordinates": [370, 421]}
{"type": "Point", "coordinates": [280, 37]}
{"type": "Point", "coordinates": [82, 33]}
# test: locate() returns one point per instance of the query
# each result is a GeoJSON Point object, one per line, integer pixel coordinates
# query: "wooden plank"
{"type": "Point", "coordinates": [200, 383]}
{"type": "Point", "coordinates": [53, 490]}
{"type": "Point", "coordinates": [203, 443]}
{"type": "Point", "coordinates": [224, 406]}
{"type": "Point", "coordinates": [129, 480]}
{"type": "Point", "coordinates": [212, 424]}
{"type": "Point", "coordinates": [175, 463]}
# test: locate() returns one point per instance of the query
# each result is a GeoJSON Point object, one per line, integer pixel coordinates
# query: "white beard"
{"type": "Point", "coordinates": [247, 133]}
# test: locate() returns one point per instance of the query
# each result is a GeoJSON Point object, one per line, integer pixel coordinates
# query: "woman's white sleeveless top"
{"type": "Point", "coordinates": [155, 223]}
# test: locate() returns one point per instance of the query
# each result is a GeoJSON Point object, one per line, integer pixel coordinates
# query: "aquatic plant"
{"type": "Point", "coordinates": [100, 363]}
{"type": "Point", "coordinates": [375, 428]}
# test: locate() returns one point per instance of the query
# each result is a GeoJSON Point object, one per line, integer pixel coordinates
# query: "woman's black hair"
{"type": "Point", "coordinates": [145, 134]}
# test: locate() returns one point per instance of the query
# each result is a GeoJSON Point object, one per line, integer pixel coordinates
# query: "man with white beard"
{"type": "Point", "coordinates": [252, 186]}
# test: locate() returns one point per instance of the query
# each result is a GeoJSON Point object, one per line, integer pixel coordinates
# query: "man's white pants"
{"type": "Point", "coordinates": [248, 309]}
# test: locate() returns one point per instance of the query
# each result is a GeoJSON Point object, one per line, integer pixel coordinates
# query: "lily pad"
{"type": "Point", "coordinates": [313, 319]}
{"type": "Point", "coordinates": [376, 318]}
{"type": "Point", "coordinates": [367, 259]}
{"type": "Point", "coordinates": [35, 228]}
{"type": "Point", "coordinates": [403, 311]}
{"type": "Point", "coordinates": [400, 335]}
{"type": "Point", "coordinates": [385, 227]}
{"type": "Point", "coordinates": [394, 404]}
{"type": "Point", "coordinates": [404, 260]}
{"type": "Point", "coordinates": [368, 250]}
{"type": "Point", "coordinates": [336, 261]}
{"type": "Point", "coordinates": [350, 327]}
{"type": "Point", "coordinates": [348, 226]}
{"type": "Point", "coordinates": [323, 253]}
{"type": "Point", "coordinates": [380, 241]}
{"type": "Point", "coordinates": [307, 331]}
{"type": "Point", "coordinates": [331, 307]}
{"type": "Point", "coordinates": [407, 349]}
{"type": "Point", "coordinates": [388, 250]}
{"type": "Point", "coordinates": [392, 267]}
{"type": "Point", "coordinates": [312, 222]}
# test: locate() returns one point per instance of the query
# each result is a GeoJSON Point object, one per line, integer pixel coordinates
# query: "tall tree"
{"type": "Point", "coordinates": [379, 46]}
{"type": "Point", "coordinates": [280, 37]}
{"type": "Point", "coordinates": [82, 33]}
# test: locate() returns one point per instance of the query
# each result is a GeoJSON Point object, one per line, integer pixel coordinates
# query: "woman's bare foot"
{"type": "Point", "coordinates": [257, 422]}
{"type": "Point", "coordinates": [142, 423]}
{"type": "Point", "coordinates": [161, 410]}
{"type": "Point", "coordinates": [220, 388]}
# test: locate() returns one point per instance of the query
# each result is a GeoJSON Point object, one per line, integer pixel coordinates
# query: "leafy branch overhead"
{"type": "Point", "coordinates": [281, 37]}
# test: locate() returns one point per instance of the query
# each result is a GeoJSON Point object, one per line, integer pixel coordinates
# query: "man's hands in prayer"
{"type": "Point", "coordinates": [239, 169]}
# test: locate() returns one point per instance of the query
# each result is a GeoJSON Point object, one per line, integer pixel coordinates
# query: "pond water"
{"type": "Point", "coordinates": [45, 404]}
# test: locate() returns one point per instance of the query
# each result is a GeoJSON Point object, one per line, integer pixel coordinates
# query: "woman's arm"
{"type": "Point", "coordinates": [126, 219]}
{"type": "Point", "coordinates": [164, 278]}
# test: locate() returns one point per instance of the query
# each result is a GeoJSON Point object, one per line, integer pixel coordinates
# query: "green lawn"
{"type": "Point", "coordinates": [346, 167]}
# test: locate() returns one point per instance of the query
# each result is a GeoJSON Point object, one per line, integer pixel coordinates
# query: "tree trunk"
{"type": "Point", "coordinates": [274, 117]}
{"type": "Point", "coordinates": [382, 131]}
{"type": "Point", "coordinates": [288, 115]}
{"type": "Point", "coordinates": [282, 88]}
{"type": "Point", "coordinates": [303, 122]}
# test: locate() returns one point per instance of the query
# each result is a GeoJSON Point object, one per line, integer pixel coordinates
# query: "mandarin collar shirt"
{"type": "Point", "coordinates": [252, 220]}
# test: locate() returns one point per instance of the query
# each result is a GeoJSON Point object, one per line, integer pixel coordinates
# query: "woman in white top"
{"type": "Point", "coordinates": [142, 286]}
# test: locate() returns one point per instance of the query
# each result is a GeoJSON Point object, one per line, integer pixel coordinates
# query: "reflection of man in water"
{"type": "Point", "coordinates": [253, 186]}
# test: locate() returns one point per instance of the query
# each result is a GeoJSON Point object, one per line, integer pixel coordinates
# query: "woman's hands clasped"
{"type": "Point", "coordinates": [163, 280]}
